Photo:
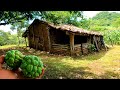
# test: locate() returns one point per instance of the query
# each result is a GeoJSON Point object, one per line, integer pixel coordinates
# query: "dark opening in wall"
{"type": "Point", "coordinates": [80, 39]}
{"type": "Point", "coordinates": [58, 37]}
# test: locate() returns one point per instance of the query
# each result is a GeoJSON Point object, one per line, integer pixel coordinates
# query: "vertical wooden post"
{"type": "Point", "coordinates": [81, 49]}
{"type": "Point", "coordinates": [71, 43]}
{"type": "Point", "coordinates": [49, 42]}
{"type": "Point", "coordinates": [46, 38]}
{"type": "Point", "coordinates": [89, 39]}
{"type": "Point", "coordinates": [94, 38]}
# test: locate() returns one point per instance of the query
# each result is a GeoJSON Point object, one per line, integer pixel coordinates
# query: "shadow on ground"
{"type": "Point", "coordinates": [91, 56]}
{"type": "Point", "coordinates": [55, 69]}
{"type": "Point", "coordinates": [62, 71]}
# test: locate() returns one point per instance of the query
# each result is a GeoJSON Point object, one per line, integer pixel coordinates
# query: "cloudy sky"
{"type": "Point", "coordinates": [87, 14]}
{"type": "Point", "coordinates": [90, 14]}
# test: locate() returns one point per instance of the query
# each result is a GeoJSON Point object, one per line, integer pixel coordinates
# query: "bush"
{"type": "Point", "coordinates": [91, 47]}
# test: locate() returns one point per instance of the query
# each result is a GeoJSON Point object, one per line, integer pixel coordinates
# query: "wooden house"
{"type": "Point", "coordinates": [62, 39]}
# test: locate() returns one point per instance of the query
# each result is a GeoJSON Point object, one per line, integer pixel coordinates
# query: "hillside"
{"type": "Point", "coordinates": [105, 21]}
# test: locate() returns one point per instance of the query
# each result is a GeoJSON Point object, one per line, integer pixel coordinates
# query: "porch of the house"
{"type": "Point", "coordinates": [66, 43]}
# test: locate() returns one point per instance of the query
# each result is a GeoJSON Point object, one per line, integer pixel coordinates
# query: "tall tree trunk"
{"type": "Point", "coordinates": [18, 35]}
{"type": "Point", "coordinates": [18, 41]}
{"type": "Point", "coordinates": [25, 42]}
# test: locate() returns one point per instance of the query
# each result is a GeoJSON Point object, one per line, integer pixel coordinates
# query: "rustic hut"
{"type": "Point", "coordinates": [62, 39]}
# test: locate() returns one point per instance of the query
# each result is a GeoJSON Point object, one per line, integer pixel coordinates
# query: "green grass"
{"type": "Point", "coordinates": [7, 46]}
{"type": "Point", "coordinates": [10, 46]}
{"type": "Point", "coordinates": [101, 65]}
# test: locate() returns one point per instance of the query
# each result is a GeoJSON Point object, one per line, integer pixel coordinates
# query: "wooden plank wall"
{"type": "Point", "coordinates": [60, 49]}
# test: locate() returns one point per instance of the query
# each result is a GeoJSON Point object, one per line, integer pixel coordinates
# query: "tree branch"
{"type": "Point", "coordinates": [8, 23]}
{"type": "Point", "coordinates": [4, 23]}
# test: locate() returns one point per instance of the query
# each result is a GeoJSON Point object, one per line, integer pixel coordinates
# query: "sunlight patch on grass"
{"type": "Point", "coordinates": [99, 65]}
{"type": "Point", "coordinates": [75, 63]}
{"type": "Point", "coordinates": [10, 46]}
{"type": "Point", "coordinates": [109, 62]}
{"type": "Point", "coordinates": [7, 46]}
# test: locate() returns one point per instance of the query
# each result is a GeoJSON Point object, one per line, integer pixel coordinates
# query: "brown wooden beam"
{"type": "Point", "coordinates": [94, 38]}
{"type": "Point", "coordinates": [81, 49]}
{"type": "Point", "coordinates": [71, 43]}
{"type": "Point", "coordinates": [88, 39]}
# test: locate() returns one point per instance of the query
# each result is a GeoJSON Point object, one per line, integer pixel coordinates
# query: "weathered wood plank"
{"type": "Point", "coordinates": [60, 45]}
{"type": "Point", "coordinates": [77, 45]}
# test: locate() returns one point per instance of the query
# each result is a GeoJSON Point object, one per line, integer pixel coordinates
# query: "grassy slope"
{"type": "Point", "coordinates": [105, 65]}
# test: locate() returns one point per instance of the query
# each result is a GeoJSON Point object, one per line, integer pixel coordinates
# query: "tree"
{"type": "Point", "coordinates": [11, 17]}
{"type": "Point", "coordinates": [3, 37]}
{"type": "Point", "coordinates": [116, 22]}
{"type": "Point", "coordinates": [84, 23]}
{"type": "Point", "coordinates": [56, 17]}
{"type": "Point", "coordinates": [62, 17]}
{"type": "Point", "coordinates": [105, 18]}
{"type": "Point", "coordinates": [6, 38]}
{"type": "Point", "coordinates": [20, 27]}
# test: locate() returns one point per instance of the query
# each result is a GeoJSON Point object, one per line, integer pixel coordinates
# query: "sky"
{"type": "Point", "coordinates": [6, 28]}
{"type": "Point", "coordinates": [87, 14]}
{"type": "Point", "coordinates": [90, 14]}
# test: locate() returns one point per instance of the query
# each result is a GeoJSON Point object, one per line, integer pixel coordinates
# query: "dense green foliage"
{"type": "Point", "coordinates": [112, 37]}
{"type": "Point", "coordinates": [20, 27]}
{"type": "Point", "coordinates": [91, 47]}
{"type": "Point", "coordinates": [62, 17]}
{"type": "Point", "coordinates": [31, 66]}
{"type": "Point", "coordinates": [11, 17]}
{"type": "Point", "coordinates": [13, 58]}
{"type": "Point", "coordinates": [107, 23]}
{"type": "Point", "coordinates": [6, 38]}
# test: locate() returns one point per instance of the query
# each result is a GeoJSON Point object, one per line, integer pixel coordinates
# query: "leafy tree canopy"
{"type": "Point", "coordinates": [11, 17]}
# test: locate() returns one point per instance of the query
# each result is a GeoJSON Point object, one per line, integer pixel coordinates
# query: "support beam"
{"type": "Point", "coordinates": [81, 49]}
{"type": "Point", "coordinates": [94, 38]}
{"type": "Point", "coordinates": [71, 43]}
{"type": "Point", "coordinates": [89, 39]}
